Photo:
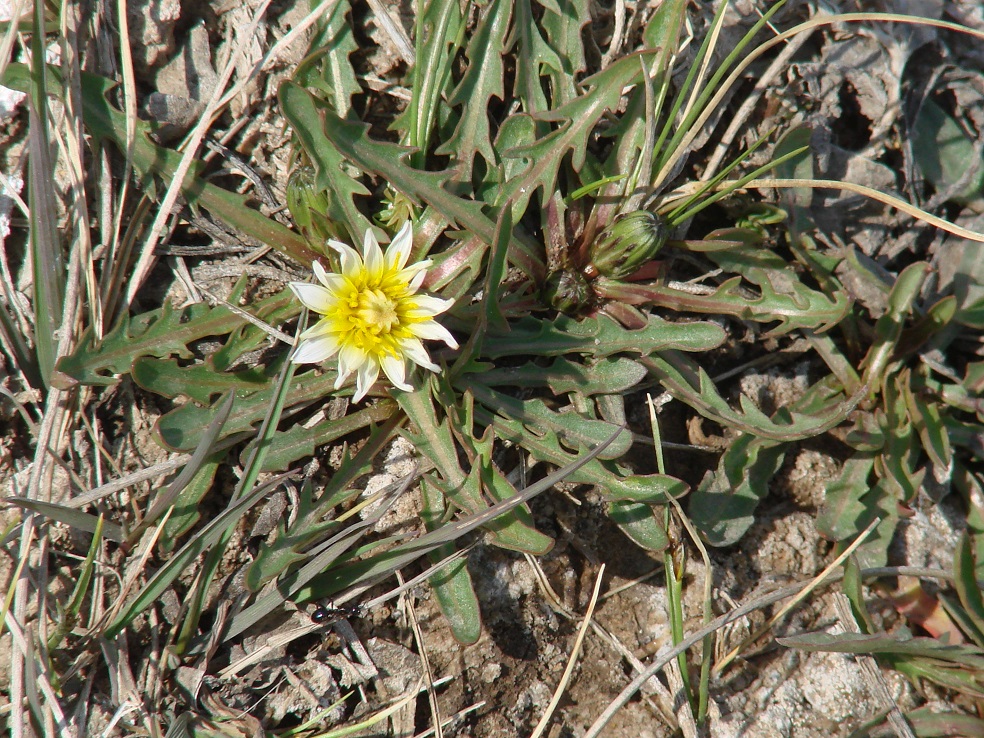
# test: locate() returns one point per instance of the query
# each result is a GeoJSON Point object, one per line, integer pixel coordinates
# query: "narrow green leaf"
{"type": "Point", "coordinates": [651, 489]}
{"type": "Point", "coordinates": [796, 141]}
{"type": "Point", "coordinates": [533, 56]}
{"type": "Point", "coordinates": [639, 523]}
{"type": "Point", "coordinates": [968, 590]}
{"type": "Point", "coordinates": [386, 160]}
{"type": "Point", "coordinates": [888, 328]}
{"type": "Point", "coordinates": [186, 512]}
{"type": "Point", "coordinates": [852, 587]}
{"type": "Point", "coordinates": [70, 614]}
{"type": "Point", "coordinates": [330, 69]}
{"type": "Point", "coordinates": [46, 248]}
{"type": "Point", "coordinates": [691, 384]}
{"type": "Point", "coordinates": [163, 332]}
{"type": "Point", "coordinates": [452, 585]}
{"type": "Point", "coordinates": [199, 382]}
{"type": "Point", "coordinates": [562, 22]}
{"type": "Point", "coordinates": [843, 513]}
{"type": "Point", "coordinates": [72, 517]}
{"type": "Point", "coordinates": [252, 466]}
{"type": "Point", "coordinates": [297, 442]}
{"type": "Point", "coordinates": [439, 27]}
{"type": "Point", "coordinates": [206, 448]}
{"type": "Point", "coordinates": [314, 516]}
{"type": "Point", "coordinates": [399, 556]}
{"type": "Point", "coordinates": [303, 111]}
{"type": "Point", "coordinates": [434, 439]}
{"type": "Point", "coordinates": [610, 375]}
{"type": "Point", "coordinates": [927, 722]}
{"type": "Point", "coordinates": [181, 428]}
{"type": "Point", "coordinates": [577, 120]}
{"type": "Point", "coordinates": [884, 644]}
{"type": "Point", "coordinates": [574, 430]}
{"type": "Point", "coordinates": [928, 422]}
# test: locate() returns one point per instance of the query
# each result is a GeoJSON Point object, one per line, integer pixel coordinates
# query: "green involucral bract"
{"type": "Point", "coordinates": [627, 243]}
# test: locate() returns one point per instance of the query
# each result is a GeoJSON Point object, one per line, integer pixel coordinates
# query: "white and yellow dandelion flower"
{"type": "Point", "coordinates": [371, 315]}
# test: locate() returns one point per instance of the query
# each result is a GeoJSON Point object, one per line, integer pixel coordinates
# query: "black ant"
{"type": "Point", "coordinates": [330, 613]}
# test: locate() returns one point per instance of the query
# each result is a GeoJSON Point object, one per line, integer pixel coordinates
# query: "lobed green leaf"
{"type": "Point", "coordinates": [600, 337]}
{"type": "Point", "coordinates": [159, 333]}
{"type": "Point", "coordinates": [723, 505]}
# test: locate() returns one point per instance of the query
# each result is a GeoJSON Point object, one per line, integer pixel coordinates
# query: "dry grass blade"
{"type": "Point", "coordinates": [71, 517]}
{"type": "Point", "coordinates": [753, 604]}
{"type": "Point", "coordinates": [807, 27]}
{"type": "Point", "coordinates": [128, 480]}
{"type": "Point", "coordinates": [453, 718]}
{"type": "Point", "coordinates": [211, 533]}
{"type": "Point", "coordinates": [248, 317]}
{"type": "Point", "coordinates": [708, 644]}
{"type": "Point", "coordinates": [45, 243]}
{"type": "Point", "coordinates": [575, 652]}
{"type": "Point", "coordinates": [418, 636]}
{"type": "Point", "coordinates": [520, 104]}
{"type": "Point", "coordinates": [652, 669]}
{"type": "Point", "coordinates": [869, 666]}
{"type": "Point", "coordinates": [874, 194]}
{"type": "Point", "coordinates": [110, 288]}
{"type": "Point", "coordinates": [454, 530]}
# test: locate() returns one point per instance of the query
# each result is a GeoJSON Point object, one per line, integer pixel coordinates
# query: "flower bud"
{"type": "Point", "coordinates": [626, 244]}
{"type": "Point", "coordinates": [397, 210]}
{"type": "Point", "coordinates": [309, 206]}
{"type": "Point", "coordinates": [568, 291]}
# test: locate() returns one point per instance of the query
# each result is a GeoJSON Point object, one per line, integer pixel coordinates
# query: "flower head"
{"type": "Point", "coordinates": [371, 315]}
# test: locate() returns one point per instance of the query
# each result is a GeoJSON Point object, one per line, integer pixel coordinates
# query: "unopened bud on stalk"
{"type": "Point", "coordinates": [626, 244]}
{"type": "Point", "coordinates": [304, 200]}
{"type": "Point", "coordinates": [308, 205]}
{"type": "Point", "coordinates": [568, 291]}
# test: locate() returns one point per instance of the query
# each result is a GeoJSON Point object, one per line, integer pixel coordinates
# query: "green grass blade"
{"type": "Point", "coordinates": [71, 517]}
{"type": "Point", "coordinates": [178, 564]}
{"type": "Point", "coordinates": [48, 272]}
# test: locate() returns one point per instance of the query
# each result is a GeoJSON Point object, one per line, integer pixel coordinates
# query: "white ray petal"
{"type": "Point", "coordinates": [319, 329]}
{"type": "Point", "coordinates": [372, 255]}
{"type": "Point", "coordinates": [395, 370]}
{"type": "Point", "coordinates": [351, 261]}
{"type": "Point", "coordinates": [426, 306]}
{"type": "Point", "coordinates": [365, 378]}
{"type": "Point", "coordinates": [414, 278]}
{"type": "Point", "coordinates": [414, 350]}
{"type": "Point", "coordinates": [398, 251]}
{"type": "Point", "coordinates": [315, 350]}
{"type": "Point", "coordinates": [313, 296]}
{"type": "Point", "coordinates": [350, 359]}
{"type": "Point", "coordinates": [406, 274]}
{"type": "Point", "coordinates": [431, 330]}
{"type": "Point", "coordinates": [320, 272]}
{"type": "Point", "coordinates": [332, 282]}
